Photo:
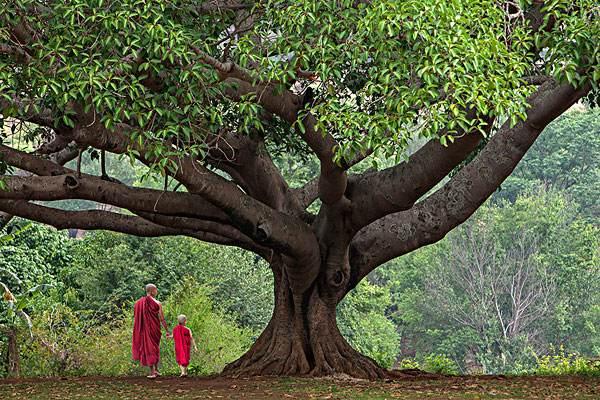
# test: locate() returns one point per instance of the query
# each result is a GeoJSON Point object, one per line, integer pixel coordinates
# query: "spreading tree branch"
{"type": "Point", "coordinates": [69, 186]}
{"type": "Point", "coordinates": [431, 219]}
{"type": "Point", "coordinates": [89, 220]}
{"type": "Point", "coordinates": [379, 193]}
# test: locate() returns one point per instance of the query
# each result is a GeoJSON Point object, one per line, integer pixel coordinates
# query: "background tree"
{"type": "Point", "coordinates": [13, 314]}
{"type": "Point", "coordinates": [206, 93]}
{"type": "Point", "coordinates": [565, 158]}
{"type": "Point", "coordinates": [458, 296]}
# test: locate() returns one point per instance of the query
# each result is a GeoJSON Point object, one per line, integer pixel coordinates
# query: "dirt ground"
{"type": "Point", "coordinates": [430, 387]}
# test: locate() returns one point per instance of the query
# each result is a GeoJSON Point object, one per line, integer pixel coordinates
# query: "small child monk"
{"type": "Point", "coordinates": [182, 335]}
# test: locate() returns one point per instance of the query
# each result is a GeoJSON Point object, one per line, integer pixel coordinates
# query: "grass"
{"type": "Point", "coordinates": [134, 388]}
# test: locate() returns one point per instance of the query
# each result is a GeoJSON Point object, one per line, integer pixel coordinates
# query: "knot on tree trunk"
{"type": "Point", "coordinates": [263, 232]}
{"type": "Point", "coordinates": [71, 182]}
{"type": "Point", "coordinates": [336, 278]}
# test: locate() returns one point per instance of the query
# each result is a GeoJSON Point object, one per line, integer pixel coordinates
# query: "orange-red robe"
{"type": "Point", "coordinates": [145, 345]}
{"type": "Point", "coordinates": [183, 341]}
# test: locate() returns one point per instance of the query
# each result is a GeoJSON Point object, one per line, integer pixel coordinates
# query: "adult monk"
{"type": "Point", "coordinates": [147, 319]}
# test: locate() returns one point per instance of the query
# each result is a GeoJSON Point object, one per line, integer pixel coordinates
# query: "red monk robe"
{"type": "Point", "coordinates": [183, 341]}
{"type": "Point", "coordinates": [146, 331]}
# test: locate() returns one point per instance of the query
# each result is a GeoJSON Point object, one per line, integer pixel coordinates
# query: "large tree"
{"type": "Point", "coordinates": [205, 93]}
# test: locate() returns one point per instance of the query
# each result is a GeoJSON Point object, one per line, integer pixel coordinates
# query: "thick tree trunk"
{"type": "Point", "coordinates": [14, 368]}
{"type": "Point", "coordinates": [302, 338]}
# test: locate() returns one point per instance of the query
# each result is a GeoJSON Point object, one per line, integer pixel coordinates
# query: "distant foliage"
{"type": "Point", "coordinates": [514, 279]}
{"type": "Point", "coordinates": [565, 158]}
{"type": "Point", "coordinates": [362, 321]}
{"type": "Point", "coordinates": [110, 270]}
{"type": "Point", "coordinates": [33, 257]}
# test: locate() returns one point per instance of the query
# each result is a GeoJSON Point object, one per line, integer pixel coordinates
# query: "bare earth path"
{"type": "Point", "coordinates": [95, 388]}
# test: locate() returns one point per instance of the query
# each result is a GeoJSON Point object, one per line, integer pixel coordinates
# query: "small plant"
{"type": "Point", "coordinates": [559, 362]}
{"type": "Point", "coordinates": [439, 364]}
{"type": "Point", "coordinates": [408, 363]}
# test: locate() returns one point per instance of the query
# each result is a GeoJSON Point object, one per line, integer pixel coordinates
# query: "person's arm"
{"type": "Point", "coordinates": [193, 341]}
{"type": "Point", "coordinates": [161, 316]}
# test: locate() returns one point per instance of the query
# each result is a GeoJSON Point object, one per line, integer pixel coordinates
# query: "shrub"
{"type": "Point", "coordinates": [439, 364]}
{"type": "Point", "coordinates": [408, 363]}
{"type": "Point", "coordinates": [559, 362]}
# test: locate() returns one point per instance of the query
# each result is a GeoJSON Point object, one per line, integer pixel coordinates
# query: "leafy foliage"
{"type": "Point", "coordinates": [558, 362]}
{"type": "Point", "coordinates": [106, 283]}
{"type": "Point", "coordinates": [439, 364]}
{"type": "Point", "coordinates": [362, 321]}
{"type": "Point", "coordinates": [34, 256]}
{"type": "Point", "coordinates": [450, 298]}
{"type": "Point", "coordinates": [433, 56]}
{"type": "Point", "coordinates": [379, 69]}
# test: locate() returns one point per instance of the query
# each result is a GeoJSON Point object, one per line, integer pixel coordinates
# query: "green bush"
{"type": "Point", "coordinates": [63, 345]}
{"type": "Point", "coordinates": [559, 362]}
{"type": "Point", "coordinates": [439, 364]}
{"type": "Point", "coordinates": [408, 363]}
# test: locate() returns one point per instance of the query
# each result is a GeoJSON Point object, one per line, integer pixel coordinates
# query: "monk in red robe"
{"type": "Point", "coordinates": [182, 335]}
{"type": "Point", "coordinates": [147, 319]}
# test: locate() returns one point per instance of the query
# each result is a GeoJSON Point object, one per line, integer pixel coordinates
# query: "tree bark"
{"type": "Point", "coordinates": [302, 337]}
{"type": "Point", "coordinates": [14, 365]}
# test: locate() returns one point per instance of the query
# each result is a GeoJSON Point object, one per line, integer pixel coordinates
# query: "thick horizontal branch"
{"type": "Point", "coordinates": [58, 159]}
{"type": "Point", "coordinates": [89, 220]}
{"type": "Point", "coordinates": [185, 213]}
{"type": "Point", "coordinates": [265, 225]}
{"type": "Point", "coordinates": [257, 220]}
{"type": "Point", "coordinates": [226, 233]}
{"type": "Point", "coordinates": [33, 164]}
{"type": "Point", "coordinates": [105, 220]}
{"type": "Point", "coordinates": [86, 187]}
{"type": "Point", "coordinates": [431, 219]}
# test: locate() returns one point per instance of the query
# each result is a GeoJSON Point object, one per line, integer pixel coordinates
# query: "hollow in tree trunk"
{"type": "Point", "coordinates": [302, 338]}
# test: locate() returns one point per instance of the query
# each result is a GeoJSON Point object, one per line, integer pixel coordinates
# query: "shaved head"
{"type": "Point", "coordinates": [151, 288]}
